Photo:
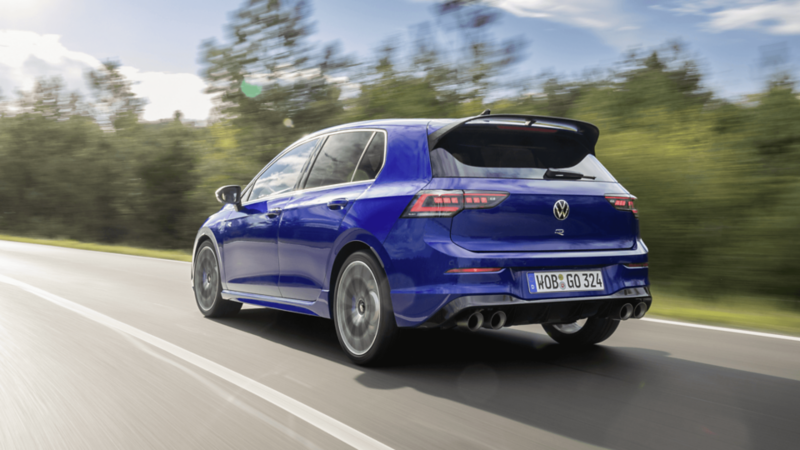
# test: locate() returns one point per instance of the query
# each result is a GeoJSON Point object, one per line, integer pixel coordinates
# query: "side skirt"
{"type": "Point", "coordinates": [311, 308]}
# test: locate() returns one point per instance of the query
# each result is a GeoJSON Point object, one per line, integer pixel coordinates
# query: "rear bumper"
{"type": "Point", "coordinates": [522, 312]}
{"type": "Point", "coordinates": [423, 294]}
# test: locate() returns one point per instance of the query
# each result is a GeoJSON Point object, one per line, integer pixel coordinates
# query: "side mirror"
{"type": "Point", "coordinates": [229, 195]}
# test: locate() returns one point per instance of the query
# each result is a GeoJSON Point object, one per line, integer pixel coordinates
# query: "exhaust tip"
{"type": "Point", "coordinates": [495, 321]}
{"type": "Point", "coordinates": [626, 311]}
{"type": "Point", "coordinates": [639, 310]}
{"type": "Point", "coordinates": [471, 322]}
{"type": "Point", "coordinates": [475, 321]}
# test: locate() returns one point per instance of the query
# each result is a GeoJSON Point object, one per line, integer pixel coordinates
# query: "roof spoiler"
{"type": "Point", "coordinates": [587, 131]}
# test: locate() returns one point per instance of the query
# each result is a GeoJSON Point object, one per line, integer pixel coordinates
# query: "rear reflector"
{"type": "Point", "coordinates": [637, 266]}
{"type": "Point", "coordinates": [450, 203]}
{"type": "Point", "coordinates": [476, 270]}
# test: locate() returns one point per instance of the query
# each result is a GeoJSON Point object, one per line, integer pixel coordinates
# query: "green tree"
{"type": "Point", "coordinates": [167, 179]}
{"type": "Point", "coordinates": [115, 103]}
{"type": "Point", "coordinates": [272, 84]}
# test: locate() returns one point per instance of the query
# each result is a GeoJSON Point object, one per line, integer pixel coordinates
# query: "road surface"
{"type": "Point", "coordinates": [104, 351]}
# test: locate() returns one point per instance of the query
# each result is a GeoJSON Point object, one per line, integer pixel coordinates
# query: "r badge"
{"type": "Point", "coordinates": [560, 232]}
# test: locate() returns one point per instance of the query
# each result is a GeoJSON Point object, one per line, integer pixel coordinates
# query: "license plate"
{"type": "Point", "coordinates": [584, 280]}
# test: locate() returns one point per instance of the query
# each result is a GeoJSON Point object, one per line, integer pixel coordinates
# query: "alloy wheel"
{"type": "Point", "coordinates": [206, 278]}
{"type": "Point", "coordinates": [358, 308]}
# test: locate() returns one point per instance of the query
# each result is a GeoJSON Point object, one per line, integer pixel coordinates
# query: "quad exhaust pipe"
{"type": "Point", "coordinates": [471, 322]}
{"type": "Point", "coordinates": [476, 320]}
{"type": "Point", "coordinates": [628, 311]}
{"type": "Point", "coordinates": [623, 312]}
{"type": "Point", "coordinates": [495, 321]}
{"type": "Point", "coordinates": [639, 310]}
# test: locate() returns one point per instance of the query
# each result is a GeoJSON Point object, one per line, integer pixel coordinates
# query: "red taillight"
{"type": "Point", "coordinates": [483, 200]}
{"type": "Point", "coordinates": [623, 203]}
{"type": "Point", "coordinates": [435, 204]}
{"type": "Point", "coordinates": [476, 270]}
{"type": "Point", "coordinates": [450, 203]}
{"type": "Point", "coordinates": [637, 266]}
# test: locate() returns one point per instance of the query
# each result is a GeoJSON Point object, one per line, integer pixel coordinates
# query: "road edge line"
{"type": "Point", "coordinates": [333, 427]}
{"type": "Point", "coordinates": [727, 330]}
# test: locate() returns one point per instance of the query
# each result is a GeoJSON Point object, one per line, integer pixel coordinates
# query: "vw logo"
{"type": "Point", "coordinates": [561, 209]}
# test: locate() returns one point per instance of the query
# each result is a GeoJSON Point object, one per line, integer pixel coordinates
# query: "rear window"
{"type": "Point", "coordinates": [497, 151]}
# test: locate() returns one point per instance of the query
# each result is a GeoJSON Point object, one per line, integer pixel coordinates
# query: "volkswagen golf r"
{"type": "Point", "coordinates": [483, 222]}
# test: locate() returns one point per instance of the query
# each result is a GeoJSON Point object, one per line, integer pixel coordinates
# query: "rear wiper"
{"type": "Point", "coordinates": [562, 174]}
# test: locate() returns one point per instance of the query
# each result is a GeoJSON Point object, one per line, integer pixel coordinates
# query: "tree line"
{"type": "Point", "coordinates": [717, 180]}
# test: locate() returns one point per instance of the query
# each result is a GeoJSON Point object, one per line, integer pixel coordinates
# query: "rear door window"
{"type": "Point", "coordinates": [282, 175]}
{"type": "Point", "coordinates": [337, 159]}
{"type": "Point", "coordinates": [497, 151]}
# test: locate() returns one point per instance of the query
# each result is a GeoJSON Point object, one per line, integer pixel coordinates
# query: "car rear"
{"type": "Point", "coordinates": [519, 217]}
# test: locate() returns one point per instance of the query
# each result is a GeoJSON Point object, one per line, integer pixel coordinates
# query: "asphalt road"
{"type": "Point", "coordinates": [71, 378]}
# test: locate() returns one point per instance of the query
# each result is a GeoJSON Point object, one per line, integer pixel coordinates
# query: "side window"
{"type": "Point", "coordinates": [372, 161]}
{"type": "Point", "coordinates": [337, 159]}
{"type": "Point", "coordinates": [282, 174]}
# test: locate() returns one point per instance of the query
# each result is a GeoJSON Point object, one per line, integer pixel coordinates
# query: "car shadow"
{"type": "Point", "coordinates": [613, 397]}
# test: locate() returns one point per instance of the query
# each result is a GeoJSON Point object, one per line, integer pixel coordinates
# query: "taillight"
{"type": "Point", "coordinates": [623, 203]}
{"type": "Point", "coordinates": [637, 265]}
{"type": "Point", "coordinates": [450, 203]}
{"type": "Point", "coordinates": [483, 200]}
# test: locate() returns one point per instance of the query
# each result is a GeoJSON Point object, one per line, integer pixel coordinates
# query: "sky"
{"type": "Point", "coordinates": [738, 43]}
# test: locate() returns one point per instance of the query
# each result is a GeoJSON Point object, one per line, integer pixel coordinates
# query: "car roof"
{"type": "Point", "coordinates": [422, 123]}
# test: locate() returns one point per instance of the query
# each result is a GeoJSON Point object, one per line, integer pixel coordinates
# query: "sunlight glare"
{"type": "Point", "coordinates": [20, 7]}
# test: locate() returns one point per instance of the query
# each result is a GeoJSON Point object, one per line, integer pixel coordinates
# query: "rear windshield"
{"type": "Point", "coordinates": [496, 151]}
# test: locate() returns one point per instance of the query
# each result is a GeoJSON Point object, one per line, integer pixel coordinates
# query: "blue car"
{"type": "Point", "coordinates": [484, 222]}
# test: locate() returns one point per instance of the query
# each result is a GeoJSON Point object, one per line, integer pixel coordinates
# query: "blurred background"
{"type": "Point", "coordinates": [696, 102]}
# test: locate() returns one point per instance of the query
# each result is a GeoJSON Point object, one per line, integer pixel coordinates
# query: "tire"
{"type": "Point", "coordinates": [208, 285]}
{"type": "Point", "coordinates": [593, 331]}
{"type": "Point", "coordinates": [362, 310]}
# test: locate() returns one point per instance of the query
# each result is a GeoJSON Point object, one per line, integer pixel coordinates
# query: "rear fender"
{"type": "Point", "coordinates": [364, 237]}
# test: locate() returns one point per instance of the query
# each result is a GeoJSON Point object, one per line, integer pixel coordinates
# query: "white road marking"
{"type": "Point", "coordinates": [727, 330]}
{"type": "Point", "coordinates": [337, 429]}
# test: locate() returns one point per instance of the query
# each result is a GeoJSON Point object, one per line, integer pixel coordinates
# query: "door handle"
{"type": "Point", "coordinates": [273, 213]}
{"type": "Point", "coordinates": [338, 203]}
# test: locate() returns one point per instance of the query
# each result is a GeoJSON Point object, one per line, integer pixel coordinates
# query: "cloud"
{"type": "Point", "coordinates": [771, 16]}
{"type": "Point", "coordinates": [609, 19]}
{"type": "Point", "coordinates": [592, 14]}
{"type": "Point", "coordinates": [169, 92]}
{"type": "Point", "coordinates": [26, 56]}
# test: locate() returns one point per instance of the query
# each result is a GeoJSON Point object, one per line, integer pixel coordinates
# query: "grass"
{"type": "Point", "coordinates": [757, 314]}
{"type": "Point", "coordinates": [760, 314]}
{"type": "Point", "coordinates": [177, 255]}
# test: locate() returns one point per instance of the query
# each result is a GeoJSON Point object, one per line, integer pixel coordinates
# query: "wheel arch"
{"type": "Point", "coordinates": [359, 242]}
{"type": "Point", "coordinates": [207, 235]}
